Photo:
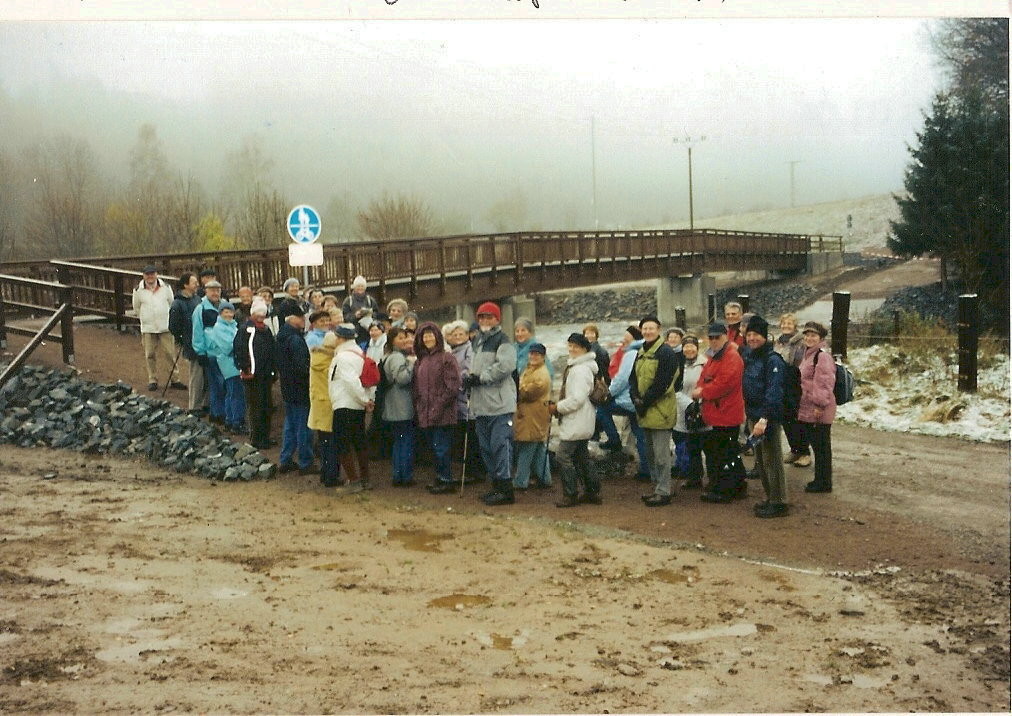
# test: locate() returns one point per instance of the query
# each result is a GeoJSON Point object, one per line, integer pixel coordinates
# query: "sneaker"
{"type": "Point", "coordinates": [152, 386]}
{"type": "Point", "coordinates": [441, 488]}
{"type": "Point", "coordinates": [498, 498]}
{"type": "Point", "coordinates": [286, 468]}
{"type": "Point", "coordinates": [349, 488]}
{"type": "Point", "coordinates": [176, 385]}
{"type": "Point", "coordinates": [814, 486]}
{"type": "Point", "coordinates": [657, 500]}
{"type": "Point", "coordinates": [803, 461]}
{"type": "Point", "coordinates": [766, 510]}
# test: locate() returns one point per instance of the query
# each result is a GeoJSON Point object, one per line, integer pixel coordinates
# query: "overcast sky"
{"type": "Point", "coordinates": [461, 112]}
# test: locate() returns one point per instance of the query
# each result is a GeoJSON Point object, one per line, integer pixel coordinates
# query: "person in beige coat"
{"type": "Point", "coordinates": [532, 421]}
{"type": "Point", "coordinates": [321, 413]}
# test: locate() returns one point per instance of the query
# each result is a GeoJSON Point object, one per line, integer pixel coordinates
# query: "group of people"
{"type": "Point", "coordinates": [350, 372]}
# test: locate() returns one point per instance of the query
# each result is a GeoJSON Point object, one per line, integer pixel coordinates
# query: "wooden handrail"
{"type": "Point", "coordinates": [15, 365]}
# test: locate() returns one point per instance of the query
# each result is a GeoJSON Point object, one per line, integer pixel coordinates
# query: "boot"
{"type": "Point", "coordinates": [349, 464]}
{"type": "Point", "coordinates": [363, 467]}
{"type": "Point", "coordinates": [503, 495]}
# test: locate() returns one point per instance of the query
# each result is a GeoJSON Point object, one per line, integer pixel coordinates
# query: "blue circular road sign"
{"type": "Point", "coordinates": [304, 224]}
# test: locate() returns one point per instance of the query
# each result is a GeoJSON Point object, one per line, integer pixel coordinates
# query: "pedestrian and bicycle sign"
{"type": "Point", "coordinates": [304, 224]}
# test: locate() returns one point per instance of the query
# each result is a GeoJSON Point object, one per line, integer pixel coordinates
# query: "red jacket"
{"type": "Point", "coordinates": [720, 380]}
{"type": "Point", "coordinates": [734, 335]}
{"type": "Point", "coordinates": [616, 362]}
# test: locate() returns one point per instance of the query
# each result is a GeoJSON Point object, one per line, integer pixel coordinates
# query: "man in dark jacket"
{"type": "Point", "coordinates": [763, 389]}
{"type": "Point", "coordinates": [293, 373]}
{"type": "Point", "coordinates": [255, 356]}
{"type": "Point", "coordinates": [181, 328]}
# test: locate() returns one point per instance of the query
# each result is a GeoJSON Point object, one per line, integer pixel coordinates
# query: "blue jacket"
{"type": "Point", "coordinates": [619, 387]}
{"type": "Point", "coordinates": [203, 319]}
{"type": "Point", "coordinates": [293, 364]}
{"type": "Point", "coordinates": [219, 346]}
{"type": "Point", "coordinates": [762, 384]}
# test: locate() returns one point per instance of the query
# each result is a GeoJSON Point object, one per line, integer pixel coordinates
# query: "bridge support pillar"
{"type": "Point", "coordinates": [688, 292]}
{"type": "Point", "coordinates": [512, 307]}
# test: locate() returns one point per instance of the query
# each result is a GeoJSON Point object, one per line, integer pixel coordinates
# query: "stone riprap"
{"type": "Point", "coordinates": [43, 407]}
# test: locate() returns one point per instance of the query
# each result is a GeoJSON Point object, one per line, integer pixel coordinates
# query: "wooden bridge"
{"type": "Point", "coordinates": [428, 273]}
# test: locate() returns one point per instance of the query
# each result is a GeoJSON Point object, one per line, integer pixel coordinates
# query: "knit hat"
{"type": "Point", "coordinates": [689, 338]}
{"type": "Point", "coordinates": [359, 282]}
{"type": "Point", "coordinates": [635, 332]}
{"type": "Point", "coordinates": [489, 308]}
{"type": "Point", "coordinates": [259, 308]}
{"type": "Point", "coordinates": [225, 305]}
{"type": "Point", "coordinates": [345, 330]}
{"type": "Point", "coordinates": [537, 348]}
{"type": "Point", "coordinates": [815, 327]}
{"type": "Point", "coordinates": [580, 340]}
{"type": "Point", "coordinates": [289, 282]}
{"type": "Point", "coordinates": [758, 324]}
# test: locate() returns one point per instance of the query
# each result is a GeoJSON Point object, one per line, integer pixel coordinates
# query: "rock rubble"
{"type": "Point", "coordinates": [43, 407]}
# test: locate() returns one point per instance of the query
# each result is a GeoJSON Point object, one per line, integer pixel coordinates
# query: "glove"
{"type": "Point", "coordinates": [472, 380]}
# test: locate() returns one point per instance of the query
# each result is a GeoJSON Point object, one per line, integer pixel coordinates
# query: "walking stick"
{"type": "Point", "coordinates": [172, 370]}
{"type": "Point", "coordinates": [463, 467]}
{"type": "Point", "coordinates": [548, 439]}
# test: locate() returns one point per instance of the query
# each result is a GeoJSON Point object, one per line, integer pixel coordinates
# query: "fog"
{"type": "Point", "coordinates": [463, 113]}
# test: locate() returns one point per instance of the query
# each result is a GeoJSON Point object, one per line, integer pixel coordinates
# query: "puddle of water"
{"type": "Point", "coordinates": [820, 679]}
{"type": "Point", "coordinates": [418, 540]}
{"type": "Point", "coordinates": [742, 629]}
{"type": "Point", "coordinates": [503, 643]}
{"type": "Point", "coordinates": [460, 601]}
{"type": "Point", "coordinates": [228, 593]}
{"type": "Point", "coordinates": [688, 575]}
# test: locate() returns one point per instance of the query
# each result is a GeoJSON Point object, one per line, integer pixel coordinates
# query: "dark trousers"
{"type": "Point", "coordinates": [575, 468]}
{"type": "Point", "coordinates": [724, 468]}
{"type": "Point", "coordinates": [796, 438]}
{"type": "Point", "coordinates": [818, 435]}
{"type": "Point", "coordinates": [258, 411]}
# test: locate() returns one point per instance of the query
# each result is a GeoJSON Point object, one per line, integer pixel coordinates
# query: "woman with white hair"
{"type": "Point", "coordinates": [358, 308]}
{"type": "Point", "coordinates": [292, 303]}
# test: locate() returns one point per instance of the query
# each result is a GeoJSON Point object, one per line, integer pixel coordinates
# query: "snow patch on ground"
{"type": "Point", "coordinates": [902, 392]}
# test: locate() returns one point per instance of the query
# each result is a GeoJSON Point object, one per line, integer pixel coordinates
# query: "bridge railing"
{"type": "Point", "coordinates": [35, 296]}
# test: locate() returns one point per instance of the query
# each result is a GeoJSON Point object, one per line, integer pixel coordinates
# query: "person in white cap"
{"type": "Point", "coordinates": [152, 299]}
{"type": "Point", "coordinates": [358, 308]}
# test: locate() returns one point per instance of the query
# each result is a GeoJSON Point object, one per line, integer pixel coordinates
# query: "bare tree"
{"type": "Point", "coordinates": [9, 208]}
{"type": "Point", "coordinates": [510, 212]}
{"type": "Point", "coordinates": [63, 216]}
{"type": "Point", "coordinates": [396, 217]}
{"type": "Point", "coordinates": [255, 208]}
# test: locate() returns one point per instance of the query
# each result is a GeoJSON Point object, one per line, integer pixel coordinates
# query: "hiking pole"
{"type": "Point", "coordinates": [172, 370]}
{"type": "Point", "coordinates": [548, 439]}
{"type": "Point", "coordinates": [463, 467]}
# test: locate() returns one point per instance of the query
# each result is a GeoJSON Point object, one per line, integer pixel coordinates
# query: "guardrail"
{"type": "Point", "coordinates": [36, 296]}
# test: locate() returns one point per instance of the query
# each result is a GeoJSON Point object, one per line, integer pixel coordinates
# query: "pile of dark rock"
{"type": "Point", "coordinates": [582, 306]}
{"type": "Point", "coordinates": [928, 301]}
{"type": "Point", "coordinates": [770, 299]}
{"type": "Point", "coordinates": [43, 407]}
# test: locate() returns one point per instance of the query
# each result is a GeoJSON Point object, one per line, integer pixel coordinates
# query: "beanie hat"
{"type": "Point", "coordinates": [635, 332]}
{"type": "Point", "coordinates": [259, 308]}
{"type": "Point", "coordinates": [537, 348]}
{"type": "Point", "coordinates": [359, 282]}
{"type": "Point", "coordinates": [345, 330]}
{"type": "Point", "coordinates": [758, 324]}
{"type": "Point", "coordinates": [580, 340]}
{"type": "Point", "coordinates": [647, 319]}
{"type": "Point", "coordinates": [815, 327]}
{"type": "Point", "coordinates": [225, 304]}
{"type": "Point", "coordinates": [689, 338]}
{"type": "Point", "coordinates": [489, 308]}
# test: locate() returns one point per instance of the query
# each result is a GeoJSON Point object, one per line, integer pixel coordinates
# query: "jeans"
{"type": "Point", "coordinates": [604, 415]}
{"type": "Point", "coordinates": [682, 458]}
{"type": "Point", "coordinates": [330, 472]}
{"type": "Point", "coordinates": [235, 402]}
{"type": "Point", "coordinates": [495, 440]}
{"type": "Point", "coordinates": [439, 439]}
{"type": "Point", "coordinates": [532, 458]}
{"type": "Point", "coordinates": [296, 435]}
{"type": "Point", "coordinates": [402, 461]}
{"type": "Point", "coordinates": [215, 389]}
{"type": "Point", "coordinates": [574, 464]}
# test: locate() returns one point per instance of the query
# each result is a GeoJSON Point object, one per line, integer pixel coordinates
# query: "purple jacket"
{"type": "Point", "coordinates": [437, 382]}
{"type": "Point", "coordinates": [817, 381]}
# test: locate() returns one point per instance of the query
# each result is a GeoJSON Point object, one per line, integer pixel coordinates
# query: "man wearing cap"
{"type": "Point", "coordinates": [493, 401]}
{"type": "Point", "coordinates": [652, 385]}
{"type": "Point", "coordinates": [763, 390]}
{"type": "Point", "coordinates": [719, 388]}
{"type": "Point", "coordinates": [151, 301]}
{"type": "Point", "coordinates": [577, 416]}
{"type": "Point", "coordinates": [205, 277]}
{"type": "Point", "coordinates": [358, 308]}
{"type": "Point", "coordinates": [256, 358]}
{"type": "Point", "coordinates": [203, 320]}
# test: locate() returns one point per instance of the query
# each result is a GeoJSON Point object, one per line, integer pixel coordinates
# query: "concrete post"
{"type": "Point", "coordinates": [689, 292]}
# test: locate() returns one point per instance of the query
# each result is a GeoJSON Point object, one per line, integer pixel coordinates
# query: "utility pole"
{"type": "Point", "coordinates": [791, 163]}
{"type": "Point", "coordinates": [593, 171]}
{"type": "Point", "coordinates": [688, 142]}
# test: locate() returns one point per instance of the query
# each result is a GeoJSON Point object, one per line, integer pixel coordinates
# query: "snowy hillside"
{"type": "Point", "coordinates": [870, 218]}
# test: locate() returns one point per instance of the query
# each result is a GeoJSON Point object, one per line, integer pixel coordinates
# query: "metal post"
{"type": "Point", "coordinates": [680, 316]}
{"type": "Point", "coordinates": [711, 308]}
{"type": "Point", "coordinates": [840, 322]}
{"type": "Point", "coordinates": [67, 324]}
{"type": "Point", "coordinates": [743, 299]}
{"type": "Point", "coordinates": [967, 324]}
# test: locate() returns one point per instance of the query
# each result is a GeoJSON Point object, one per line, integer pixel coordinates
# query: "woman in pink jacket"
{"type": "Point", "coordinates": [818, 404]}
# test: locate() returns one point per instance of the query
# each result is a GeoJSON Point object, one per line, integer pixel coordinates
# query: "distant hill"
{"type": "Point", "coordinates": [870, 218]}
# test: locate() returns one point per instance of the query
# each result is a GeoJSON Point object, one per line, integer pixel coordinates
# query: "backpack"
{"type": "Point", "coordinates": [792, 393]}
{"type": "Point", "coordinates": [843, 388]}
{"type": "Point", "coordinates": [599, 394]}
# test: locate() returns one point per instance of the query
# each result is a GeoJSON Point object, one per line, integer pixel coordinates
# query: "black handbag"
{"type": "Point", "coordinates": [694, 417]}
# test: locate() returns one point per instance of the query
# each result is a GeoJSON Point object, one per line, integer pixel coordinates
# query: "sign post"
{"type": "Point", "coordinates": [304, 228]}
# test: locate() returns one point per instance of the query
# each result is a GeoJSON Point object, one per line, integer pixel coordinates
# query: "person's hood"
{"type": "Point", "coordinates": [635, 345]}
{"type": "Point", "coordinates": [225, 321]}
{"type": "Point", "coordinates": [420, 349]}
